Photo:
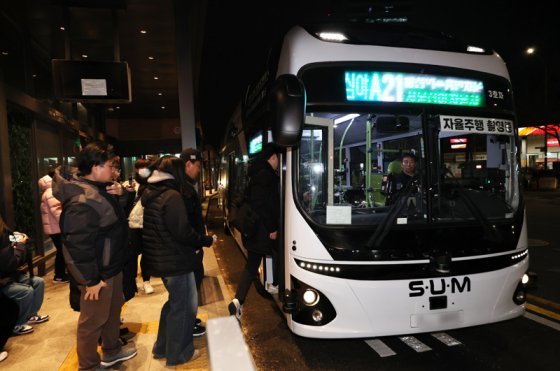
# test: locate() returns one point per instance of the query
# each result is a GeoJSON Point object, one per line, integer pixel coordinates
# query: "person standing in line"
{"type": "Point", "coordinates": [130, 268]}
{"type": "Point", "coordinates": [169, 252]}
{"type": "Point", "coordinates": [28, 292]}
{"type": "Point", "coordinates": [94, 235]}
{"type": "Point", "coordinates": [50, 215]}
{"type": "Point", "coordinates": [136, 216]}
{"type": "Point", "coordinates": [264, 199]}
{"type": "Point", "coordinates": [193, 165]}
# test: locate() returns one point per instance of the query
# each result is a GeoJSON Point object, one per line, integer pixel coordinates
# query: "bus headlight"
{"type": "Point", "coordinates": [309, 306]}
{"type": "Point", "coordinates": [525, 279]}
{"type": "Point", "coordinates": [310, 297]}
{"type": "Point", "coordinates": [520, 295]}
{"type": "Point", "coordinates": [317, 316]}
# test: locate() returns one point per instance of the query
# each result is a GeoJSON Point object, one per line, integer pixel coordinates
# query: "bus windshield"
{"type": "Point", "coordinates": [406, 168]}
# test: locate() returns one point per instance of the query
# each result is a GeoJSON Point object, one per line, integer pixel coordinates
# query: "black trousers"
{"type": "Point", "coordinates": [59, 263]}
{"type": "Point", "coordinates": [251, 268]}
{"type": "Point", "coordinates": [9, 315]}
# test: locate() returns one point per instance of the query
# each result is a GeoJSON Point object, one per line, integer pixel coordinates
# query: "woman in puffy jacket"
{"type": "Point", "coordinates": [51, 209]}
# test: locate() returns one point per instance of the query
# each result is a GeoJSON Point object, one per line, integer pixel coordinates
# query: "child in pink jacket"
{"type": "Point", "coordinates": [50, 214]}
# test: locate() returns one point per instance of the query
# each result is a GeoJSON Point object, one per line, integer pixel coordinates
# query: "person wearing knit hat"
{"type": "Point", "coordinates": [268, 150]}
{"type": "Point", "coordinates": [193, 166]}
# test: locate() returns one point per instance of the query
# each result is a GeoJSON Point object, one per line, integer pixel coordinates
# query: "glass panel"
{"type": "Point", "coordinates": [312, 165]}
{"type": "Point", "coordinates": [478, 177]}
{"type": "Point", "coordinates": [48, 149]}
{"type": "Point", "coordinates": [367, 180]}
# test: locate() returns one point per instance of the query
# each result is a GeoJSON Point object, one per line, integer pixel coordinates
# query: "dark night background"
{"type": "Point", "coordinates": [237, 34]}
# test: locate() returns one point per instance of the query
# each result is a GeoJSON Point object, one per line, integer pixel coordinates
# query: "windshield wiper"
{"type": "Point", "coordinates": [385, 226]}
{"type": "Point", "coordinates": [474, 209]}
{"type": "Point", "coordinates": [479, 215]}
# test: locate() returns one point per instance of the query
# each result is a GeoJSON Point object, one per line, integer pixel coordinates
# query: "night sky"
{"type": "Point", "coordinates": [237, 34]}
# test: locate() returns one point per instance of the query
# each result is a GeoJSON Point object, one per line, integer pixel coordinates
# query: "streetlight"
{"type": "Point", "coordinates": [532, 52]}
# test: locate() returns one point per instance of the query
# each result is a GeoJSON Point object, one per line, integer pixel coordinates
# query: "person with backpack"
{"type": "Point", "coordinates": [170, 242]}
{"type": "Point", "coordinates": [263, 197]}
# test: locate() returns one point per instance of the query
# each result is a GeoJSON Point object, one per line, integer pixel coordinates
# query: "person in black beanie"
{"type": "Point", "coordinates": [264, 199]}
{"type": "Point", "coordinates": [193, 166]}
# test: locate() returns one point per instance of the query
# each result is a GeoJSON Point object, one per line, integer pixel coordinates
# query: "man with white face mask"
{"type": "Point", "coordinates": [136, 217]}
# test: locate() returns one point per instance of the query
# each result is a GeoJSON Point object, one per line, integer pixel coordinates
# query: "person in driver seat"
{"type": "Point", "coordinates": [397, 181]}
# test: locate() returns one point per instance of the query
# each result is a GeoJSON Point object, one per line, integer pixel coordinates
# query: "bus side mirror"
{"type": "Point", "coordinates": [287, 103]}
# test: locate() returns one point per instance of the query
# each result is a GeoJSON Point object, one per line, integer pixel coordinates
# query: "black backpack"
{"type": "Point", "coordinates": [242, 216]}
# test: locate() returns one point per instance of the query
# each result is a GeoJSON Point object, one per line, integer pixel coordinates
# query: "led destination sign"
{"type": "Point", "coordinates": [375, 86]}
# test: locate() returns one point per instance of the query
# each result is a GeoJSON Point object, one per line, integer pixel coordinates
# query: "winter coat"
{"type": "Point", "coordinates": [169, 240]}
{"type": "Point", "coordinates": [194, 211]}
{"type": "Point", "coordinates": [264, 198]}
{"type": "Point", "coordinates": [50, 207]}
{"type": "Point", "coordinates": [94, 229]}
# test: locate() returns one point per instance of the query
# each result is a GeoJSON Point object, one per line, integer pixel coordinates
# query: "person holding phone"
{"type": "Point", "coordinates": [26, 291]}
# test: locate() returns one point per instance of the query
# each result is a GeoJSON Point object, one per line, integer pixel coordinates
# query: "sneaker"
{"type": "Point", "coordinates": [3, 355]}
{"type": "Point", "coordinates": [199, 330]}
{"type": "Point", "coordinates": [22, 330]}
{"type": "Point", "coordinates": [197, 322]}
{"type": "Point", "coordinates": [148, 289]}
{"type": "Point", "coordinates": [124, 355]}
{"type": "Point", "coordinates": [38, 319]}
{"type": "Point", "coordinates": [60, 280]}
{"type": "Point", "coordinates": [235, 308]}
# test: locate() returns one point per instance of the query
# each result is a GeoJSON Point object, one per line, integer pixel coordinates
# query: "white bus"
{"type": "Point", "coordinates": [450, 250]}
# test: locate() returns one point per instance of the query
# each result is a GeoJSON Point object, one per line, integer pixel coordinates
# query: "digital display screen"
{"type": "Point", "coordinates": [255, 144]}
{"type": "Point", "coordinates": [458, 140]}
{"type": "Point", "coordinates": [458, 143]}
{"type": "Point", "coordinates": [400, 87]}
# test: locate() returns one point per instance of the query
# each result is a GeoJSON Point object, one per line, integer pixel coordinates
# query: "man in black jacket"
{"type": "Point", "coordinates": [94, 232]}
{"type": "Point", "coordinates": [264, 198]}
{"type": "Point", "coordinates": [193, 165]}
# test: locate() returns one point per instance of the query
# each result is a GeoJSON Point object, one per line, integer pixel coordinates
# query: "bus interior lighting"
{"type": "Point", "coordinates": [332, 36]}
{"type": "Point", "coordinates": [475, 49]}
{"type": "Point", "coordinates": [345, 118]}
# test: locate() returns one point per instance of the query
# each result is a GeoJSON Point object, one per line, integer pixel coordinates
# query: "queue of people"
{"type": "Point", "coordinates": [103, 227]}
